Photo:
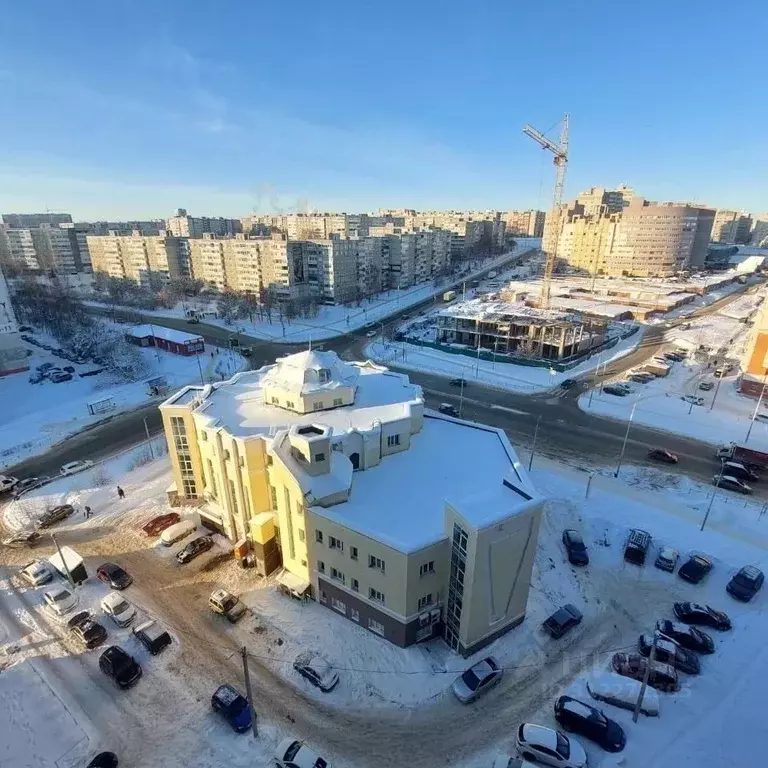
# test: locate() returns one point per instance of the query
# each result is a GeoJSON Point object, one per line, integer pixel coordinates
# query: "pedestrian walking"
{"type": "Point", "coordinates": [120, 492]}
{"type": "Point", "coordinates": [87, 513]}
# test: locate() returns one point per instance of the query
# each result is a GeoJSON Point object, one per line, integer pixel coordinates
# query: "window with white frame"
{"type": "Point", "coordinates": [393, 440]}
{"type": "Point", "coordinates": [337, 401]}
{"type": "Point", "coordinates": [374, 594]}
{"type": "Point", "coordinates": [318, 536]}
{"type": "Point", "coordinates": [338, 575]}
{"type": "Point", "coordinates": [317, 405]}
{"type": "Point", "coordinates": [377, 563]}
{"type": "Point", "coordinates": [426, 568]}
{"type": "Point", "coordinates": [425, 601]}
{"type": "Point", "coordinates": [355, 585]}
{"type": "Point", "coordinates": [376, 626]}
{"type": "Point", "coordinates": [334, 543]}
{"type": "Point", "coordinates": [338, 605]}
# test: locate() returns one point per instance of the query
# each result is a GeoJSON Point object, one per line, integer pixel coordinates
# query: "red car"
{"type": "Point", "coordinates": [158, 524]}
{"type": "Point", "coordinates": [662, 455]}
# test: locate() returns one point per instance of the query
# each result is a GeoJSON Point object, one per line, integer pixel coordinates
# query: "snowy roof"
{"type": "Point", "coordinates": [499, 309]}
{"type": "Point", "coordinates": [310, 371]}
{"type": "Point", "coordinates": [161, 332]}
{"type": "Point", "coordinates": [238, 405]}
{"type": "Point", "coordinates": [401, 502]}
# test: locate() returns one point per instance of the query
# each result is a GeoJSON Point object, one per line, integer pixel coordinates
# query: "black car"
{"type": "Point", "coordinates": [574, 715]}
{"type": "Point", "coordinates": [689, 637]}
{"type": "Point", "coordinates": [562, 620]}
{"type": "Point", "coordinates": [740, 470]}
{"type": "Point", "coordinates": [567, 383]}
{"type": "Point", "coordinates": [662, 677]}
{"type": "Point", "coordinates": [662, 455]}
{"type": "Point", "coordinates": [448, 409]}
{"type": "Point", "coordinates": [746, 583]}
{"type": "Point", "coordinates": [695, 569]}
{"type": "Point", "coordinates": [152, 636]}
{"type": "Point", "coordinates": [669, 652]}
{"type": "Point", "coordinates": [104, 760]}
{"type": "Point", "coordinates": [87, 631]}
{"type": "Point", "coordinates": [575, 547]}
{"type": "Point", "coordinates": [120, 666]}
{"type": "Point", "coordinates": [194, 548]}
{"type": "Point", "coordinates": [113, 575]}
{"type": "Point", "coordinates": [458, 382]}
{"type": "Point", "coordinates": [695, 613]}
{"type": "Point", "coordinates": [611, 389]}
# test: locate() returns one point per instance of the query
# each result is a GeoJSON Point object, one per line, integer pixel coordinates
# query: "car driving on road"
{"type": "Point", "coordinates": [662, 455]}
{"type": "Point", "coordinates": [75, 466]}
{"type": "Point", "coordinates": [448, 409]}
{"type": "Point", "coordinates": [589, 722]}
{"type": "Point", "coordinates": [575, 547]}
{"type": "Point", "coordinates": [731, 484]}
{"type": "Point", "coordinates": [477, 680]}
{"type": "Point", "coordinates": [194, 548]}
{"type": "Point", "coordinates": [704, 615]}
{"type": "Point", "coordinates": [695, 569]}
{"type": "Point", "coordinates": [688, 637]}
{"type": "Point", "coordinates": [746, 583]}
{"type": "Point", "coordinates": [546, 745]}
{"type": "Point", "coordinates": [120, 666]}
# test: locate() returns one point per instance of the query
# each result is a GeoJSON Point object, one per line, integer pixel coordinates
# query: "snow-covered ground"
{"type": "Point", "coordinates": [333, 321]}
{"type": "Point", "coordinates": [36, 416]}
{"type": "Point", "coordinates": [517, 378]}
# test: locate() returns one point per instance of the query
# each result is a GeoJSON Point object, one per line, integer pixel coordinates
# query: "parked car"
{"type": "Point", "coordinates": [36, 573]}
{"type": "Point", "coordinates": [641, 378]}
{"type": "Point", "coordinates": [477, 680]}
{"type": "Point", "coordinates": [60, 600]}
{"type": "Point", "coordinates": [636, 547]}
{"type": "Point", "coordinates": [153, 636]}
{"type": "Point", "coordinates": [27, 484]}
{"type": "Point", "coordinates": [670, 652]}
{"type": "Point", "coordinates": [448, 409]}
{"type": "Point", "coordinates": [662, 677]}
{"type": "Point", "coordinates": [575, 547]}
{"type": "Point", "coordinates": [194, 548]}
{"type": "Point", "coordinates": [87, 631]}
{"type": "Point", "coordinates": [58, 378]}
{"type": "Point", "coordinates": [233, 707]}
{"type": "Point", "coordinates": [158, 524]}
{"type": "Point", "coordinates": [120, 666]}
{"type": "Point", "coordinates": [227, 604]}
{"type": "Point", "coordinates": [688, 637]}
{"type": "Point", "coordinates": [693, 399]}
{"type": "Point", "coordinates": [104, 760]}
{"type": "Point", "coordinates": [177, 532]}
{"type": "Point", "coordinates": [113, 575]}
{"type": "Point", "coordinates": [458, 382]}
{"type": "Point", "coordinates": [746, 583]}
{"type": "Point", "coordinates": [662, 455]}
{"type": "Point", "coordinates": [731, 484]}
{"type": "Point", "coordinates": [55, 515]}
{"type": "Point", "coordinates": [740, 471]}
{"type": "Point", "coordinates": [118, 609]}
{"type": "Point", "coordinates": [707, 386]}
{"type": "Point", "coordinates": [291, 753]}
{"type": "Point", "coordinates": [589, 722]}
{"type": "Point", "coordinates": [75, 466]}
{"type": "Point", "coordinates": [622, 692]}
{"type": "Point", "coordinates": [562, 620]}
{"type": "Point", "coordinates": [695, 569]}
{"type": "Point", "coordinates": [703, 615]}
{"type": "Point", "coordinates": [22, 539]}
{"type": "Point", "coordinates": [667, 559]}
{"type": "Point", "coordinates": [613, 389]}
{"type": "Point", "coordinates": [7, 483]}
{"type": "Point", "coordinates": [371, 334]}
{"type": "Point", "coordinates": [317, 670]}
{"type": "Point", "coordinates": [546, 745]}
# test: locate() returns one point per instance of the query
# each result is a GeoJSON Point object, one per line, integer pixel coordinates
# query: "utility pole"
{"type": "Point", "coordinates": [66, 567]}
{"type": "Point", "coordinates": [200, 368]}
{"type": "Point", "coordinates": [624, 444]}
{"type": "Point", "coordinates": [717, 387]}
{"type": "Point", "coordinates": [249, 693]}
{"type": "Point", "coordinates": [149, 440]}
{"type": "Point", "coordinates": [535, 438]}
{"type": "Point", "coordinates": [757, 408]}
{"type": "Point", "coordinates": [714, 493]}
{"type": "Point", "coordinates": [647, 674]}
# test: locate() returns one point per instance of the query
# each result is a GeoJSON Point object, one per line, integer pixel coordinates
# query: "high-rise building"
{"type": "Point", "coordinates": [759, 234]}
{"type": "Point", "coordinates": [183, 225]}
{"type": "Point", "coordinates": [33, 220]}
{"type": "Point", "coordinates": [525, 223]}
{"type": "Point", "coordinates": [137, 257]}
{"type": "Point", "coordinates": [13, 356]}
{"type": "Point", "coordinates": [731, 227]}
{"type": "Point", "coordinates": [51, 248]}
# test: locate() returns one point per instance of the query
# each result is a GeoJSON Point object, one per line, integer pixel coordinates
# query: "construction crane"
{"type": "Point", "coordinates": [560, 151]}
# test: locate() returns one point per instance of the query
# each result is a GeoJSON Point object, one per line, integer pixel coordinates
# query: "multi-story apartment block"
{"type": "Point", "coordinates": [137, 257]}
{"type": "Point", "coordinates": [731, 227]}
{"type": "Point", "coordinates": [759, 234]}
{"type": "Point", "coordinates": [525, 223]}
{"type": "Point", "coordinates": [13, 355]}
{"type": "Point", "coordinates": [183, 225]}
{"type": "Point", "coordinates": [407, 524]}
{"type": "Point", "coordinates": [754, 363]}
{"type": "Point", "coordinates": [34, 220]}
{"type": "Point", "coordinates": [50, 248]}
{"type": "Point", "coordinates": [155, 227]}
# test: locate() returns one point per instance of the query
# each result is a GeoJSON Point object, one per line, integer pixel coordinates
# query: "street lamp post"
{"type": "Point", "coordinates": [714, 493]}
{"type": "Point", "coordinates": [535, 438]}
{"type": "Point", "coordinates": [757, 407]}
{"type": "Point", "coordinates": [624, 444]}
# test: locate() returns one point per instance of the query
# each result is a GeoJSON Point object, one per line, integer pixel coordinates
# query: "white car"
{"type": "Point", "coordinates": [291, 753]}
{"type": "Point", "coordinates": [60, 600]}
{"type": "Point", "coordinates": [545, 745]}
{"type": "Point", "coordinates": [36, 573]}
{"type": "Point", "coordinates": [7, 483]}
{"type": "Point", "coordinates": [118, 609]}
{"type": "Point", "coordinates": [477, 680]}
{"type": "Point", "coordinates": [75, 466]}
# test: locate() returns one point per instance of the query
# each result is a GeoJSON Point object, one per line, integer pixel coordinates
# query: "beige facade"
{"type": "Point", "coordinates": [407, 524]}
{"type": "Point", "coordinates": [525, 223]}
{"type": "Point", "coordinates": [731, 227]}
{"type": "Point", "coordinates": [183, 225]}
{"type": "Point", "coordinates": [45, 248]}
{"type": "Point", "coordinates": [136, 257]}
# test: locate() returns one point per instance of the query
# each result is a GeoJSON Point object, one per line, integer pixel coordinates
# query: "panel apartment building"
{"type": "Point", "coordinates": [410, 525]}
{"type": "Point", "coordinates": [138, 257]}
{"type": "Point", "coordinates": [47, 246]}
{"type": "Point", "coordinates": [525, 223]}
{"type": "Point", "coordinates": [731, 227]}
{"type": "Point", "coordinates": [183, 225]}
{"type": "Point", "coordinates": [13, 355]}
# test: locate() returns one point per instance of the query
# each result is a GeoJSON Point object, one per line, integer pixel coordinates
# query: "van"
{"type": "Point", "coordinates": [623, 692]}
{"type": "Point", "coordinates": [636, 547]}
{"type": "Point", "coordinates": [177, 532]}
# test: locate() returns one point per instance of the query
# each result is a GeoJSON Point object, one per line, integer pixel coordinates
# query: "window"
{"type": "Point", "coordinates": [393, 440]}
{"type": "Point", "coordinates": [317, 405]}
{"type": "Point", "coordinates": [353, 553]}
{"type": "Point", "coordinates": [425, 601]}
{"type": "Point", "coordinates": [304, 563]}
{"type": "Point", "coordinates": [337, 401]}
{"type": "Point", "coordinates": [320, 566]}
{"type": "Point", "coordinates": [334, 543]}
{"type": "Point", "coordinates": [324, 375]}
{"type": "Point", "coordinates": [319, 536]}
{"type": "Point", "coordinates": [273, 496]}
{"type": "Point", "coordinates": [354, 614]}
{"type": "Point", "coordinates": [427, 568]}
{"type": "Point", "coordinates": [212, 478]}
{"type": "Point", "coordinates": [204, 436]}
{"type": "Point", "coordinates": [355, 585]}
{"type": "Point", "coordinates": [275, 400]}
{"type": "Point", "coordinates": [288, 404]}
{"type": "Point", "coordinates": [377, 563]}
{"type": "Point", "coordinates": [190, 489]}
{"type": "Point", "coordinates": [376, 626]}
{"type": "Point", "coordinates": [233, 495]}
{"type": "Point", "coordinates": [301, 534]}
{"type": "Point", "coordinates": [374, 594]}
{"type": "Point", "coordinates": [338, 575]}
{"type": "Point", "coordinates": [319, 457]}
{"type": "Point", "coordinates": [323, 597]}
{"type": "Point", "coordinates": [339, 605]}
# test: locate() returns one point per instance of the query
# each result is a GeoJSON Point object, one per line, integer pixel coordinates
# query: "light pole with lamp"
{"type": "Point", "coordinates": [757, 407]}
{"type": "Point", "coordinates": [714, 493]}
{"type": "Point", "coordinates": [624, 444]}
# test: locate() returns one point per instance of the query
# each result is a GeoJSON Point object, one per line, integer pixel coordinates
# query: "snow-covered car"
{"type": "Point", "coordinates": [623, 692]}
{"type": "Point", "coordinates": [317, 670]}
{"type": "Point", "coordinates": [227, 604]}
{"type": "Point", "coordinates": [22, 539]}
{"type": "Point", "coordinates": [704, 615]}
{"type": "Point", "coordinates": [36, 573]}
{"type": "Point", "coordinates": [27, 484]}
{"type": "Point", "coordinates": [291, 753]}
{"type": "Point", "coordinates": [477, 680]}
{"type": "Point", "coordinates": [667, 559]}
{"type": "Point", "coordinates": [87, 631]}
{"type": "Point", "coordinates": [7, 483]}
{"type": "Point", "coordinates": [75, 466]}
{"type": "Point", "coordinates": [692, 399]}
{"type": "Point", "coordinates": [662, 677]}
{"type": "Point", "coordinates": [118, 609]}
{"type": "Point", "coordinates": [548, 746]}
{"type": "Point", "coordinates": [60, 600]}
{"type": "Point", "coordinates": [669, 652]}
{"type": "Point", "coordinates": [689, 637]}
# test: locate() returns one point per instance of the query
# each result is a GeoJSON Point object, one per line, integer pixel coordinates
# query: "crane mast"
{"type": "Point", "coordinates": [560, 152]}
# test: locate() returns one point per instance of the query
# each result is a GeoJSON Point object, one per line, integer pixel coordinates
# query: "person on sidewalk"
{"type": "Point", "coordinates": [88, 513]}
{"type": "Point", "coordinates": [120, 492]}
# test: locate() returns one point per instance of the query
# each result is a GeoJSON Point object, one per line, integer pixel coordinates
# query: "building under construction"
{"type": "Point", "coordinates": [512, 328]}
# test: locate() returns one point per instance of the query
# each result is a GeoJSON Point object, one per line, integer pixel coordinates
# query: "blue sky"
{"type": "Point", "coordinates": [129, 109]}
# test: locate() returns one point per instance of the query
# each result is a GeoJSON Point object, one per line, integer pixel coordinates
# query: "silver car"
{"type": "Point", "coordinates": [477, 680]}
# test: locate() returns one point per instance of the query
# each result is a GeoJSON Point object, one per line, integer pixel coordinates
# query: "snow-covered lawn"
{"type": "Point", "coordinates": [517, 378]}
{"type": "Point", "coordinates": [35, 416]}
